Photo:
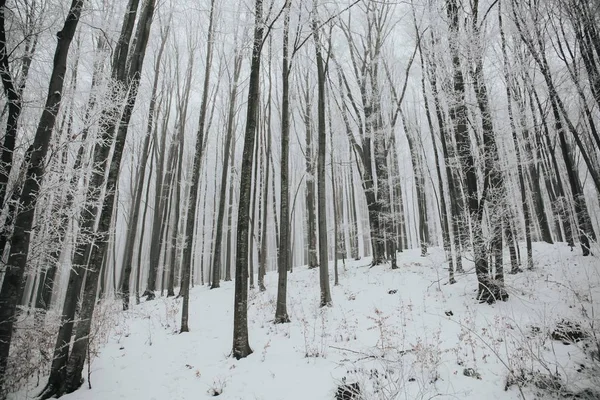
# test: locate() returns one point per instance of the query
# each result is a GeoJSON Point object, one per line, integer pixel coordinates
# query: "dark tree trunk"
{"type": "Point", "coordinates": [241, 347]}
{"type": "Point", "coordinates": [458, 114]}
{"type": "Point", "coordinates": [14, 102]}
{"type": "Point", "coordinates": [35, 158]}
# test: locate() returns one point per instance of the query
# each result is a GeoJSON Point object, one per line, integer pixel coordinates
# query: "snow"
{"type": "Point", "coordinates": [396, 345]}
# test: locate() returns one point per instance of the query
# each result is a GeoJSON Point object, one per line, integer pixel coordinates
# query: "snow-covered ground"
{"type": "Point", "coordinates": [402, 334]}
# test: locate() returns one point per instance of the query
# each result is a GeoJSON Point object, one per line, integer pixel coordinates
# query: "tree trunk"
{"type": "Point", "coordinates": [228, 249]}
{"type": "Point", "coordinates": [241, 347]}
{"type": "Point", "coordinates": [441, 193]}
{"type": "Point", "coordinates": [101, 153]}
{"type": "Point", "coordinates": [321, 152]}
{"type": "Point", "coordinates": [193, 197]}
{"type": "Point", "coordinates": [281, 315]}
{"type": "Point", "coordinates": [35, 158]}
{"type": "Point", "coordinates": [135, 206]}
{"type": "Point", "coordinates": [511, 118]}
{"type": "Point", "coordinates": [216, 266]}
{"type": "Point", "coordinates": [458, 114]}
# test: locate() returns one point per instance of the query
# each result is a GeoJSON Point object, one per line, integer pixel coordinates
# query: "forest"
{"type": "Point", "coordinates": [243, 175]}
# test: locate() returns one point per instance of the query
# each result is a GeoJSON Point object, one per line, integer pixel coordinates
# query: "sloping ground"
{"type": "Point", "coordinates": [402, 334]}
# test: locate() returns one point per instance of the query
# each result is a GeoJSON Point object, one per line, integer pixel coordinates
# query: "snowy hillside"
{"type": "Point", "coordinates": [402, 334]}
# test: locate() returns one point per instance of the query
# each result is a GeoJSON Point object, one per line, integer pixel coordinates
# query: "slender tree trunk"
{"type": "Point", "coordinates": [160, 200]}
{"type": "Point", "coordinates": [228, 251]}
{"type": "Point", "coordinates": [193, 198]}
{"type": "Point", "coordinates": [310, 181]}
{"type": "Point", "coordinates": [138, 270]}
{"type": "Point", "coordinates": [253, 213]}
{"type": "Point", "coordinates": [241, 347]}
{"type": "Point", "coordinates": [321, 152]}
{"type": "Point", "coordinates": [262, 259]}
{"type": "Point", "coordinates": [135, 207]}
{"type": "Point", "coordinates": [216, 267]}
{"type": "Point", "coordinates": [334, 197]}
{"type": "Point", "coordinates": [354, 253]}
{"type": "Point", "coordinates": [419, 186]}
{"type": "Point", "coordinates": [283, 261]}
{"type": "Point", "coordinates": [441, 192]}
{"type": "Point", "coordinates": [511, 118]}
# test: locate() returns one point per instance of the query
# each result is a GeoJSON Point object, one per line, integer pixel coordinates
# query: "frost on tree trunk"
{"type": "Point", "coordinates": [488, 290]}
{"type": "Point", "coordinates": [79, 351]}
{"type": "Point", "coordinates": [35, 158]}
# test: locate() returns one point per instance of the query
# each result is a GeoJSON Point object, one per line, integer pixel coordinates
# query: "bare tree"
{"type": "Point", "coordinates": [241, 346]}
{"type": "Point", "coordinates": [35, 158]}
{"type": "Point", "coordinates": [321, 152]}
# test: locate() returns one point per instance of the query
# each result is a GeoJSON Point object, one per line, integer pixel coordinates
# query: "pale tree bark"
{"type": "Point", "coordinates": [453, 191]}
{"type": "Point", "coordinates": [334, 198]}
{"type": "Point", "coordinates": [321, 152]}
{"type": "Point", "coordinates": [228, 249]}
{"type": "Point", "coordinates": [262, 252]}
{"type": "Point", "coordinates": [255, 190]}
{"type": "Point", "coordinates": [311, 225]}
{"type": "Point", "coordinates": [233, 90]}
{"type": "Point", "coordinates": [283, 261]}
{"type": "Point", "coordinates": [182, 105]}
{"type": "Point", "coordinates": [513, 128]}
{"type": "Point", "coordinates": [440, 178]}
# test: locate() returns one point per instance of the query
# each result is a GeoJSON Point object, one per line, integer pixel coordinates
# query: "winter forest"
{"type": "Point", "coordinates": [287, 199]}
